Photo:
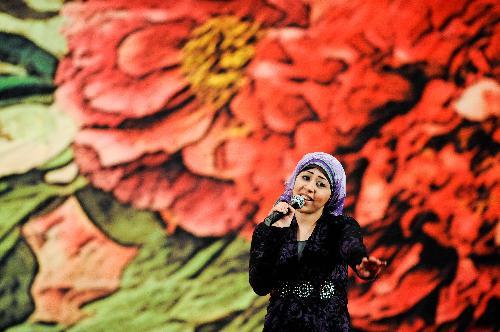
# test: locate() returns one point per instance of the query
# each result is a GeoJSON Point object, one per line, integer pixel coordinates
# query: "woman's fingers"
{"type": "Point", "coordinates": [370, 267]}
{"type": "Point", "coordinates": [362, 268]}
{"type": "Point", "coordinates": [282, 207]}
{"type": "Point", "coordinates": [288, 212]}
{"type": "Point", "coordinates": [374, 262]}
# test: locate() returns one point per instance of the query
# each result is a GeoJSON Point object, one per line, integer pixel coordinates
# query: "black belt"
{"type": "Point", "coordinates": [304, 289]}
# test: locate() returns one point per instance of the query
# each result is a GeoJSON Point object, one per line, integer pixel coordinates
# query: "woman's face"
{"type": "Point", "coordinates": [313, 185]}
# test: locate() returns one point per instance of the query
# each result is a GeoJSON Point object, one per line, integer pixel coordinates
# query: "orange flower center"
{"type": "Point", "coordinates": [215, 55]}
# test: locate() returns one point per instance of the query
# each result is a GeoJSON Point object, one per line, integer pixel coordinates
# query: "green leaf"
{"type": "Point", "coordinates": [209, 289]}
{"type": "Point", "coordinates": [45, 32]}
{"type": "Point", "coordinates": [18, 50]}
{"type": "Point", "coordinates": [61, 159]}
{"type": "Point", "coordinates": [122, 223]}
{"type": "Point", "coordinates": [13, 82]}
{"type": "Point", "coordinates": [35, 327]}
{"type": "Point", "coordinates": [251, 319]}
{"type": "Point", "coordinates": [32, 134]}
{"type": "Point", "coordinates": [145, 294]}
{"type": "Point", "coordinates": [3, 187]}
{"type": "Point", "coordinates": [18, 203]}
{"type": "Point", "coordinates": [45, 5]}
{"type": "Point", "coordinates": [18, 86]}
{"type": "Point", "coordinates": [198, 261]}
{"type": "Point", "coordinates": [17, 271]}
{"type": "Point", "coordinates": [30, 69]}
{"type": "Point", "coordinates": [179, 283]}
{"type": "Point", "coordinates": [7, 243]}
{"type": "Point", "coordinates": [45, 99]}
{"type": "Point", "coordinates": [10, 69]}
{"type": "Point", "coordinates": [30, 8]}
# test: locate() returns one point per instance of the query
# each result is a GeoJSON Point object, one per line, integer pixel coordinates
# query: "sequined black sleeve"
{"type": "Point", "coordinates": [352, 248]}
{"type": "Point", "coordinates": [264, 250]}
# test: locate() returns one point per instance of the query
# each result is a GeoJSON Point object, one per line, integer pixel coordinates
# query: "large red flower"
{"type": "Point", "coordinates": [152, 113]}
{"type": "Point", "coordinates": [200, 114]}
{"type": "Point", "coordinates": [208, 143]}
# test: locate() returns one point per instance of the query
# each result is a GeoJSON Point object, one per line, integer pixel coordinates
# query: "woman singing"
{"type": "Point", "coordinates": [302, 258]}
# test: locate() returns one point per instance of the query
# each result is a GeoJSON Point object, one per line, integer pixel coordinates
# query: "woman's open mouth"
{"type": "Point", "coordinates": [307, 198]}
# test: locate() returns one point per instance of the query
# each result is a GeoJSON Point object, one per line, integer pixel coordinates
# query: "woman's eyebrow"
{"type": "Point", "coordinates": [318, 175]}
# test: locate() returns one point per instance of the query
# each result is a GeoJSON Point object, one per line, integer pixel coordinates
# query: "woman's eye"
{"type": "Point", "coordinates": [321, 184]}
{"type": "Point", "coordinates": [305, 177]}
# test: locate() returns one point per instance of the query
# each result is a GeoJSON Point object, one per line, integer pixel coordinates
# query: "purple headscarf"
{"type": "Point", "coordinates": [336, 176]}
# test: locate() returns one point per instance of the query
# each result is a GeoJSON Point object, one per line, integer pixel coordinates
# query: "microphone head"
{"type": "Point", "coordinates": [297, 201]}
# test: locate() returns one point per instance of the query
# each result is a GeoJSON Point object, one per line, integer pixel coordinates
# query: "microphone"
{"type": "Point", "coordinates": [296, 202]}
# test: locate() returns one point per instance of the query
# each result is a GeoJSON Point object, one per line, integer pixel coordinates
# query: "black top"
{"type": "Point", "coordinates": [299, 300]}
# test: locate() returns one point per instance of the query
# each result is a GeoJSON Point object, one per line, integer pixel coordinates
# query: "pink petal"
{"type": "Point", "coordinates": [222, 152]}
{"type": "Point", "coordinates": [78, 263]}
{"type": "Point", "coordinates": [69, 98]}
{"type": "Point", "coordinates": [156, 187]}
{"type": "Point", "coordinates": [479, 101]}
{"type": "Point", "coordinates": [116, 146]}
{"type": "Point", "coordinates": [218, 210]}
{"type": "Point", "coordinates": [135, 98]}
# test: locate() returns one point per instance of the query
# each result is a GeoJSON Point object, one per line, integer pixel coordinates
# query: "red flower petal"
{"type": "Point", "coordinates": [153, 48]}
{"type": "Point", "coordinates": [315, 136]}
{"type": "Point", "coordinates": [217, 211]}
{"type": "Point", "coordinates": [135, 99]}
{"type": "Point", "coordinates": [375, 307]}
{"type": "Point", "coordinates": [223, 153]}
{"type": "Point", "coordinates": [454, 299]}
{"type": "Point", "coordinates": [115, 146]}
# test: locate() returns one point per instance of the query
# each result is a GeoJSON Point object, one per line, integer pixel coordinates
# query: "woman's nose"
{"type": "Point", "coordinates": [309, 186]}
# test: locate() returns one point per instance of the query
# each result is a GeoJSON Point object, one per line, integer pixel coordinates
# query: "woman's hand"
{"type": "Point", "coordinates": [370, 267]}
{"type": "Point", "coordinates": [286, 209]}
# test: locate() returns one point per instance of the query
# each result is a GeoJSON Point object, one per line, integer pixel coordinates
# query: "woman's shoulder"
{"type": "Point", "coordinates": [263, 230]}
{"type": "Point", "coordinates": [348, 218]}
{"type": "Point", "coordinates": [342, 221]}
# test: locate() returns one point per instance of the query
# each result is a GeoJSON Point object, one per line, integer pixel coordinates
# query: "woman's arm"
{"type": "Point", "coordinates": [264, 251]}
{"type": "Point", "coordinates": [353, 251]}
{"type": "Point", "coordinates": [352, 248]}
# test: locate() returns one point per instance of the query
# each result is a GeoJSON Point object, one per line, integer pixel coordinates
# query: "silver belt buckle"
{"type": "Point", "coordinates": [327, 290]}
{"type": "Point", "coordinates": [303, 289]}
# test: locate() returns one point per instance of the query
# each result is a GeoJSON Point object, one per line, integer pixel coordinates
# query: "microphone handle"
{"type": "Point", "coordinates": [276, 215]}
{"type": "Point", "coordinates": [273, 217]}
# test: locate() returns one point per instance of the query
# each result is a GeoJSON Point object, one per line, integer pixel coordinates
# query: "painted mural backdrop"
{"type": "Point", "coordinates": [142, 140]}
